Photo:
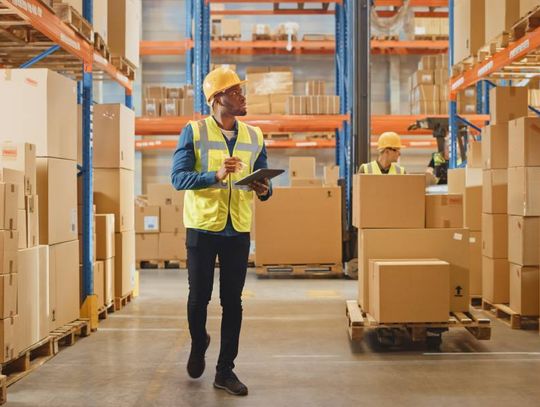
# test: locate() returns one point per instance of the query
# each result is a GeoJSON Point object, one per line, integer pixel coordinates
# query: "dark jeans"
{"type": "Point", "coordinates": [233, 252]}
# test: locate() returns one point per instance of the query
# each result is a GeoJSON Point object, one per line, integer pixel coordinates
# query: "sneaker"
{"type": "Point", "coordinates": [230, 383]}
{"type": "Point", "coordinates": [196, 363]}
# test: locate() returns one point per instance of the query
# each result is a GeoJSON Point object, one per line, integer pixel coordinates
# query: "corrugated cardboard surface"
{"type": "Point", "coordinates": [171, 219]}
{"type": "Point", "coordinates": [8, 295]}
{"type": "Point", "coordinates": [104, 236]}
{"type": "Point", "coordinates": [9, 240]}
{"type": "Point", "coordinates": [32, 221]}
{"type": "Point", "coordinates": [124, 29]}
{"type": "Point", "coordinates": [302, 167]}
{"type": "Point", "coordinates": [475, 263]}
{"type": "Point", "coordinates": [525, 145]}
{"type": "Point", "coordinates": [146, 246]}
{"type": "Point", "coordinates": [495, 191]}
{"type": "Point", "coordinates": [306, 182]}
{"type": "Point", "coordinates": [508, 103]}
{"type": "Point", "coordinates": [114, 193]}
{"type": "Point", "coordinates": [10, 176]}
{"type": "Point", "coordinates": [472, 213]}
{"type": "Point", "coordinates": [7, 338]}
{"type": "Point", "coordinates": [444, 211]}
{"type": "Point", "coordinates": [109, 280]}
{"type": "Point", "coordinates": [495, 146]}
{"type": "Point", "coordinates": [524, 292]}
{"type": "Point", "coordinates": [27, 330]}
{"type": "Point", "coordinates": [99, 283]}
{"type": "Point", "coordinates": [124, 267]}
{"type": "Point", "coordinates": [147, 219]}
{"type": "Point", "coordinates": [500, 15]}
{"type": "Point", "coordinates": [495, 280]}
{"type": "Point", "coordinates": [524, 191]}
{"type": "Point", "coordinates": [164, 194]}
{"type": "Point", "coordinates": [21, 157]}
{"type": "Point", "coordinates": [172, 246]}
{"type": "Point", "coordinates": [8, 206]}
{"type": "Point", "coordinates": [469, 28]}
{"type": "Point", "coordinates": [524, 240]}
{"type": "Point", "coordinates": [495, 235]}
{"type": "Point", "coordinates": [474, 154]}
{"type": "Point", "coordinates": [286, 231]}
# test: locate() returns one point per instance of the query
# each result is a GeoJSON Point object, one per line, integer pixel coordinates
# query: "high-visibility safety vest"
{"type": "Point", "coordinates": [208, 208]}
{"type": "Point", "coordinates": [374, 169]}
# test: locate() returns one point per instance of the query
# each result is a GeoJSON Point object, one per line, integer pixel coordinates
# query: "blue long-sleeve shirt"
{"type": "Point", "coordinates": [184, 176]}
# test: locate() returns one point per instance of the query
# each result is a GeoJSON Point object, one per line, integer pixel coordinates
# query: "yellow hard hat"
{"type": "Point", "coordinates": [218, 80]}
{"type": "Point", "coordinates": [389, 139]}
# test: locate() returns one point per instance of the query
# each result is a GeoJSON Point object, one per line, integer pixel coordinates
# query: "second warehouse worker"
{"type": "Point", "coordinates": [389, 147]}
{"type": "Point", "coordinates": [213, 154]}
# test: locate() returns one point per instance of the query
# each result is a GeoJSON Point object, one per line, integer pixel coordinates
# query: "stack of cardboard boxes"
{"type": "Point", "coordinates": [104, 266]}
{"type": "Point", "coordinates": [430, 28]}
{"type": "Point", "coordinates": [163, 101]}
{"type": "Point", "coordinates": [429, 86]}
{"type": "Point", "coordinates": [114, 162]}
{"type": "Point", "coordinates": [315, 101]}
{"type": "Point", "coordinates": [421, 239]}
{"type": "Point", "coordinates": [226, 28]}
{"type": "Point", "coordinates": [268, 89]}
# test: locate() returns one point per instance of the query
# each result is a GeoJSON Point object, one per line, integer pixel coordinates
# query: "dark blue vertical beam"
{"type": "Point", "coordinates": [206, 22]}
{"type": "Point", "coordinates": [198, 56]}
{"type": "Point", "coordinates": [189, 35]}
{"type": "Point", "coordinates": [41, 56]}
{"type": "Point", "coordinates": [452, 109]}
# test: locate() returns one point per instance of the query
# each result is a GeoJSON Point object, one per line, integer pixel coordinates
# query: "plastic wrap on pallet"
{"type": "Point", "coordinates": [266, 83]}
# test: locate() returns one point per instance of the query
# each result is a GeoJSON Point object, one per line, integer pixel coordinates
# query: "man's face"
{"type": "Point", "coordinates": [233, 101]}
{"type": "Point", "coordinates": [393, 154]}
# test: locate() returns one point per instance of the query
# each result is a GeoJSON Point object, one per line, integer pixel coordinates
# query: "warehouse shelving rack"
{"type": "Point", "coordinates": [60, 48]}
{"type": "Point", "coordinates": [508, 64]}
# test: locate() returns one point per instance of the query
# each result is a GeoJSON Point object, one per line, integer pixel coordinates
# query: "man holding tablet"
{"type": "Point", "coordinates": [212, 156]}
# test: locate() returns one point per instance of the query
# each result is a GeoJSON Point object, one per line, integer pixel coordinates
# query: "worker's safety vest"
{"type": "Point", "coordinates": [374, 169]}
{"type": "Point", "coordinates": [208, 208]}
{"type": "Point", "coordinates": [438, 159]}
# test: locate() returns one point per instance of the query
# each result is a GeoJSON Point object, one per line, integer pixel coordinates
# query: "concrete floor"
{"type": "Point", "coordinates": [294, 352]}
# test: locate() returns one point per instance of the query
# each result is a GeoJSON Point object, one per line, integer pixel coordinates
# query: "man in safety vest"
{"type": "Point", "coordinates": [213, 154]}
{"type": "Point", "coordinates": [438, 166]}
{"type": "Point", "coordinates": [389, 147]}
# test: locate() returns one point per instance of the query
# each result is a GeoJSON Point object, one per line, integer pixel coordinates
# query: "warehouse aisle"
{"type": "Point", "coordinates": [294, 351]}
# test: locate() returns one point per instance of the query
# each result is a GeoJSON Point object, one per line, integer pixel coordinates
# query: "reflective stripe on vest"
{"type": "Point", "coordinates": [374, 169]}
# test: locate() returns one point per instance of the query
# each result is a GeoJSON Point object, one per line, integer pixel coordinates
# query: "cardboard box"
{"type": "Point", "coordinates": [526, 5]}
{"type": "Point", "coordinates": [331, 175]}
{"type": "Point", "coordinates": [164, 194]}
{"type": "Point", "coordinates": [99, 18]}
{"type": "Point", "coordinates": [440, 76]}
{"type": "Point", "coordinates": [21, 228]}
{"type": "Point", "coordinates": [302, 167]}
{"type": "Point", "coordinates": [32, 221]}
{"type": "Point", "coordinates": [525, 136]}
{"type": "Point", "coordinates": [124, 263]}
{"type": "Point", "coordinates": [8, 295]}
{"type": "Point", "coordinates": [44, 295]}
{"type": "Point", "coordinates": [495, 280]}
{"type": "Point", "coordinates": [469, 28]}
{"type": "Point", "coordinates": [172, 219]}
{"type": "Point", "coordinates": [278, 103]}
{"type": "Point", "coordinates": [146, 246]}
{"type": "Point", "coordinates": [444, 211]}
{"type": "Point", "coordinates": [9, 241]}
{"type": "Point", "coordinates": [495, 236]}
{"type": "Point", "coordinates": [450, 245]}
{"type": "Point", "coordinates": [231, 27]}
{"type": "Point", "coordinates": [124, 29]}
{"type": "Point", "coordinates": [524, 191]}
{"type": "Point", "coordinates": [99, 283]}
{"type": "Point", "coordinates": [296, 105]}
{"type": "Point", "coordinates": [427, 62]}
{"type": "Point", "coordinates": [508, 103]}
{"type": "Point", "coordinates": [500, 16]}
{"type": "Point", "coordinates": [524, 292]}
{"type": "Point", "coordinates": [8, 206]}
{"type": "Point", "coordinates": [114, 193]}
{"type": "Point", "coordinates": [426, 92]}
{"type": "Point", "coordinates": [151, 107]}
{"type": "Point", "coordinates": [495, 191]}
{"type": "Point", "coordinates": [156, 92]}
{"type": "Point", "coordinates": [40, 107]}
{"type": "Point", "coordinates": [185, 107]}
{"type": "Point", "coordinates": [174, 93]}
{"type": "Point", "coordinates": [169, 107]}
{"type": "Point", "coordinates": [423, 77]}
{"type": "Point", "coordinates": [475, 263]}
{"type": "Point", "coordinates": [147, 219]}
{"type": "Point", "coordinates": [524, 240]}
{"type": "Point", "coordinates": [57, 189]}
{"type": "Point", "coordinates": [315, 87]}
{"type": "Point", "coordinates": [306, 182]}
{"type": "Point", "coordinates": [258, 104]}
{"type": "Point", "coordinates": [267, 83]}
{"type": "Point", "coordinates": [172, 246]}
{"type": "Point", "coordinates": [286, 234]}
{"type": "Point", "coordinates": [429, 107]}
{"type": "Point", "coordinates": [109, 280]}
{"type": "Point", "coordinates": [495, 146]}
{"type": "Point", "coordinates": [9, 176]}
{"type": "Point", "coordinates": [104, 236]}
{"type": "Point", "coordinates": [20, 157]}
{"type": "Point", "coordinates": [409, 291]}
{"type": "Point", "coordinates": [474, 154]}
{"type": "Point", "coordinates": [27, 330]}
{"type": "Point", "coordinates": [7, 338]}
{"type": "Point", "coordinates": [461, 178]}
{"type": "Point", "coordinates": [378, 209]}
{"type": "Point", "coordinates": [64, 293]}
{"type": "Point", "coordinates": [114, 135]}
{"type": "Point", "coordinates": [472, 214]}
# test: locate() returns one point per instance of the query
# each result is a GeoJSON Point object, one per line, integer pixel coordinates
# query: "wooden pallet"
{"type": "Point", "coordinates": [71, 17]}
{"type": "Point", "coordinates": [321, 136]}
{"type": "Point", "coordinates": [464, 65]}
{"type": "Point", "coordinates": [495, 45]}
{"type": "Point", "coordinates": [162, 264]}
{"type": "Point", "coordinates": [513, 319]}
{"type": "Point", "coordinates": [261, 37]}
{"type": "Point", "coordinates": [433, 37]}
{"type": "Point", "coordinates": [385, 37]}
{"type": "Point", "coordinates": [299, 271]}
{"type": "Point", "coordinates": [527, 24]}
{"type": "Point", "coordinates": [103, 313]}
{"type": "Point", "coordinates": [124, 66]}
{"type": "Point", "coordinates": [284, 37]}
{"type": "Point", "coordinates": [121, 302]}
{"type": "Point", "coordinates": [315, 37]}
{"type": "Point", "coordinates": [277, 136]}
{"type": "Point", "coordinates": [359, 322]}
{"type": "Point", "coordinates": [237, 37]}
{"type": "Point", "coordinates": [68, 334]}
{"type": "Point", "coordinates": [101, 47]}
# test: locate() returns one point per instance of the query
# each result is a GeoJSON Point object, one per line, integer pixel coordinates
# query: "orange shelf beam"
{"type": "Point", "coordinates": [401, 123]}
{"type": "Point", "coordinates": [513, 53]}
{"type": "Point", "coordinates": [274, 1]}
{"type": "Point", "coordinates": [413, 3]}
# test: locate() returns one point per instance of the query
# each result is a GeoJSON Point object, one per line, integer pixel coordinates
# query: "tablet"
{"type": "Point", "coordinates": [259, 175]}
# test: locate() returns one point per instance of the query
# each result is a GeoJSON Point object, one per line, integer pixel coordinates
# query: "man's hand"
{"type": "Point", "coordinates": [260, 188]}
{"type": "Point", "coordinates": [229, 166]}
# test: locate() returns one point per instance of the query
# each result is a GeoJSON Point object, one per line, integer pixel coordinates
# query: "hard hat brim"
{"type": "Point", "coordinates": [224, 89]}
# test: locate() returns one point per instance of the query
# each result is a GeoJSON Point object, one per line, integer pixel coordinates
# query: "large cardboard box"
{"type": "Point", "coordinates": [172, 246]}
{"type": "Point", "coordinates": [27, 330]}
{"type": "Point", "coordinates": [100, 18]}
{"type": "Point", "coordinates": [146, 246]}
{"type": "Point", "coordinates": [286, 233]}
{"type": "Point", "coordinates": [99, 283]}
{"type": "Point", "coordinates": [40, 107]}
{"type": "Point", "coordinates": [296, 105]}
{"type": "Point", "coordinates": [267, 83]}
{"type": "Point", "coordinates": [114, 192]}
{"type": "Point", "coordinates": [164, 194]}
{"type": "Point", "coordinates": [109, 280]}
{"type": "Point", "coordinates": [57, 191]}
{"type": "Point", "coordinates": [306, 182]}
{"type": "Point", "coordinates": [495, 235]}
{"type": "Point", "coordinates": [469, 28]}
{"type": "Point", "coordinates": [461, 178]}
{"type": "Point", "coordinates": [524, 240]}
{"type": "Point", "coordinates": [114, 136]}
{"type": "Point", "coordinates": [44, 295]}
{"type": "Point", "coordinates": [508, 103]}
{"type": "Point", "coordinates": [8, 206]}
{"type": "Point", "coordinates": [495, 191]}
{"type": "Point", "coordinates": [391, 201]}
{"type": "Point", "coordinates": [8, 295]}
{"type": "Point", "coordinates": [9, 176]}
{"type": "Point", "coordinates": [147, 219]}
{"type": "Point", "coordinates": [472, 213]}
{"type": "Point", "coordinates": [258, 104]}
{"type": "Point", "coordinates": [500, 15]}
{"type": "Point", "coordinates": [231, 27]}
{"type": "Point", "coordinates": [64, 283]}
{"type": "Point", "coordinates": [474, 154]}
{"type": "Point", "coordinates": [444, 211]}
{"type": "Point", "coordinates": [21, 228]}
{"type": "Point", "coordinates": [9, 240]}
{"type": "Point", "coordinates": [7, 338]}
{"type": "Point", "coordinates": [450, 245]}
{"type": "Point", "coordinates": [278, 103]}
{"type": "Point", "coordinates": [524, 289]}
{"type": "Point", "coordinates": [527, 5]}
{"type": "Point", "coordinates": [124, 29]}
{"type": "Point", "coordinates": [21, 157]}
{"type": "Point", "coordinates": [172, 219]}
{"type": "Point", "coordinates": [32, 221]}
{"type": "Point", "coordinates": [124, 263]}
{"type": "Point", "coordinates": [409, 291]}
{"type": "Point", "coordinates": [104, 236]}
{"type": "Point", "coordinates": [525, 136]}
{"type": "Point", "coordinates": [475, 263]}
{"type": "Point", "coordinates": [495, 146]}
{"type": "Point", "coordinates": [302, 167]}
{"type": "Point", "coordinates": [524, 191]}
{"type": "Point", "coordinates": [495, 280]}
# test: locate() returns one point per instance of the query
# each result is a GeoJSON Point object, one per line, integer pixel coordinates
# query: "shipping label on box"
{"type": "Point", "coordinates": [169, 107]}
{"type": "Point", "coordinates": [524, 191]}
{"type": "Point", "coordinates": [151, 107]}
{"type": "Point", "coordinates": [423, 77]}
{"type": "Point", "coordinates": [495, 280]}
{"type": "Point", "coordinates": [147, 219]}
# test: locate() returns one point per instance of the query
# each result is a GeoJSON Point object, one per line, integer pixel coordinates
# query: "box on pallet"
{"type": "Point", "coordinates": [472, 214]}
{"type": "Point", "coordinates": [524, 191]}
{"type": "Point", "coordinates": [109, 280]}
{"type": "Point", "coordinates": [21, 227]}
{"type": "Point", "coordinates": [8, 295]}
{"type": "Point", "coordinates": [474, 154]}
{"type": "Point", "coordinates": [444, 211]}
{"type": "Point", "coordinates": [20, 157]}
{"type": "Point", "coordinates": [151, 107]}
{"type": "Point", "coordinates": [114, 193]}
{"type": "Point", "coordinates": [147, 219]}
{"type": "Point", "coordinates": [172, 246]}
{"type": "Point", "coordinates": [495, 146]}
{"type": "Point", "coordinates": [124, 29]}
{"type": "Point", "coordinates": [524, 292]}
{"type": "Point", "coordinates": [525, 135]}
{"type": "Point", "coordinates": [7, 338]}
{"type": "Point", "coordinates": [500, 15]}
{"type": "Point", "coordinates": [104, 236]}
{"type": "Point", "coordinates": [9, 176]}
{"type": "Point", "coordinates": [172, 219]}
{"type": "Point", "coordinates": [146, 246]}
{"type": "Point", "coordinates": [495, 280]}
{"type": "Point", "coordinates": [508, 103]}
{"type": "Point", "coordinates": [524, 240]}
{"type": "Point", "coordinates": [469, 28]}
{"type": "Point", "coordinates": [99, 283]}
{"type": "Point", "coordinates": [8, 206]}
{"type": "Point", "coordinates": [495, 235]}
{"type": "Point", "coordinates": [475, 263]}
{"type": "Point", "coordinates": [9, 240]}
{"type": "Point", "coordinates": [32, 221]}
{"type": "Point", "coordinates": [495, 191]}
{"type": "Point", "coordinates": [124, 267]}
{"type": "Point", "coordinates": [302, 167]}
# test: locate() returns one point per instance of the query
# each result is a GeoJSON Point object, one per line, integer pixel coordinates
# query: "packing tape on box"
{"type": "Point", "coordinates": [458, 236]}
